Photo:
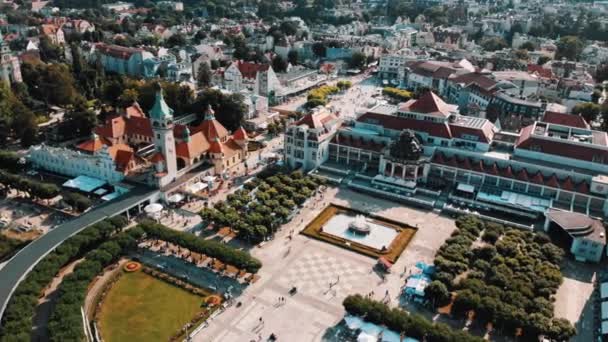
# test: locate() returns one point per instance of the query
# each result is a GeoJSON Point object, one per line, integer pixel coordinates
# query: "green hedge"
{"type": "Point", "coordinates": [413, 325]}
{"type": "Point", "coordinates": [65, 323]}
{"type": "Point", "coordinates": [16, 322]}
{"type": "Point", "coordinates": [397, 94]}
{"type": "Point", "coordinates": [210, 248]}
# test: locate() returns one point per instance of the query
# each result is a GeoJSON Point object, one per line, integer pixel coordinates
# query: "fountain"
{"type": "Point", "coordinates": [359, 225]}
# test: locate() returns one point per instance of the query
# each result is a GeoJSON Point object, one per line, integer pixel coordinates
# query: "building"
{"type": "Point", "coordinates": [514, 112]}
{"type": "Point", "coordinates": [585, 235]}
{"type": "Point", "coordinates": [54, 33]}
{"type": "Point", "coordinates": [122, 60]}
{"type": "Point", "coordinates": [111, 164]}
{"type": "Point", "coordinates": [119, 6]}
{"type": "Point", "coordinates": [307, 141]}
{"type": "Point", "coordinates": [392, 66]}
{"type": "Point", "coordinates": [10, 67]}
{"type": "Point", "coordinates": [176, 6]}
{"type": "Point", "coordinates": [424, 152]}
{"type": "Point", "coordinates": [256, 77]}
{"type": "Point", "coordinates": [433, 74]}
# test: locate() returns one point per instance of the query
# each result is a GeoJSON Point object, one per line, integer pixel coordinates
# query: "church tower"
{"type": "Point", "coordinates": [10, 67]}
{"type": "Point", "coordinates": [161, 117]}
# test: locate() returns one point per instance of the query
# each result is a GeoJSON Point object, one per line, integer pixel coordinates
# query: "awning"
{"type": "Point", "coordinates": [196, 187]}
{"type": "Point", "coordinates": [84, 183]}
{"type": "Point", "coordinates": [604, 310]}
{"type": "Point", "coordinates": [384, 262]}
{"type": "Point", "coordinates": [465, 188]}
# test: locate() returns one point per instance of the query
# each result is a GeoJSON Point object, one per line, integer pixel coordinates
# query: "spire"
{"type": "Point", "coordinates": [160, 110]}
{"type": "Point", "coordinates": [209, 113]}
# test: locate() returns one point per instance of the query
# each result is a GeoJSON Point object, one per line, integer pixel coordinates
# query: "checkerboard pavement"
{"type": "Point", "coordinates": [312, 274]}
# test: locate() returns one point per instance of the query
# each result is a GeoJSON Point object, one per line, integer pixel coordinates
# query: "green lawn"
{"type": "Point", "coordinates": [140, 307]}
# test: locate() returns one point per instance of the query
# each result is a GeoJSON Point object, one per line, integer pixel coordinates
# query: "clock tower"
{"type": "Point", "coordinates": [161, 117]}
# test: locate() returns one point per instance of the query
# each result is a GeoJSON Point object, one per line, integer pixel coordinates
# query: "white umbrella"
{"type": "Point", "coordinates": [153, 208]}
{"type": "Point", "coordinates": [175, 198]}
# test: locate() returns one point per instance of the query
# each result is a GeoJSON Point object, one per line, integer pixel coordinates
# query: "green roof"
{"type": "Point", "coordinates": [161, 110]}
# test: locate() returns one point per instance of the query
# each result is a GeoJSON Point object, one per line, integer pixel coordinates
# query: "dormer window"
{"type": "Point", "coordinates": [535, 148]}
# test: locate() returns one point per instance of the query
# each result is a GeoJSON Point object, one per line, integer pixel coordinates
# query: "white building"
{"type": "Point", "coordinates": [75, 163]}
{"type": "Point", "coordinates": [307, 141]}
{"type": "Point", "coordinates": [587, 236]}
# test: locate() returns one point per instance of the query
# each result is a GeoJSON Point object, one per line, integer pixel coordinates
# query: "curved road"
{"type": "Point", "coordinates": [22, 263]}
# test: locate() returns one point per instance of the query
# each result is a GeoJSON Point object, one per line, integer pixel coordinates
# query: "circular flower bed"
{"type": "Point", "coordinates": [213, 300]}
{"type": "Point", "coordinates": [132, 266]}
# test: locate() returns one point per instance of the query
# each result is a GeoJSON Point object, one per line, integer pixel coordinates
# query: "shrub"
{"type": "Point", "coordinates": [77, 201]}
{"type": "Point", "coordinates": [397, 94]}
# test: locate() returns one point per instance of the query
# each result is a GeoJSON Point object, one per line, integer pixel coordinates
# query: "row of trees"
{"type": "Point", "coordinates": [30, 186]}
{"type": "Point", "coordinates": [411, 325]}
{"type": "Point", "coordinates": [318, 96]}
{"type": "Point", "coordinates": [17, 319]}
{"type": "Point", "coordinates": [397, 94]}
{"type": "Point", "coordinates": [211, 248]}
{"type": "Point", "coordinates": [65, 323]}
{"type": "Point", "coordinates": [257, 211]}
{"type": "Point", "coordinates": [509, 282]}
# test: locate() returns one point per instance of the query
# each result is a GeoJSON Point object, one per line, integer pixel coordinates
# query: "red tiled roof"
{"type": "Point", "coordinates": [122, 159]}
{"type": "Point", "coordinates": [564, 119]}
{"type": "Point", "coordinates": [240, 134]}
{"type": "Point", "coordinates": [117, 51]}
{"type": "Point", "coordinates": [429, 103]}
{"type": "Point", "coordinates": [481, 80]}
{"type": "Point", "coordinates": [135, 110]}
{"type": "Point", "coordinates": [587, 152]}
{"type": "Point", "coordinates": [435, 129]}
{"type": "Point", "coordinates": [523, 175]}
{"type": "Point", "coordinates": [157, 157]}
{"type": "Point", "coordinates": [216, 147]}
{"type": "Point", "coordinates": [357, 143]}
{"type": "Point", "coordinates": [197, 145]}
{"type": "Point", "coordinates": [93, 145]}
{"type": "Point", "coordinates": [540, 71]}
{"type": "Point", "coordinates": [552, 181]}
{"type": "Point", "coordinates": [583, 187]}
{"type": "Point", "coordinates": [484, 134]}
{"type": "Point", "coordinates": [250, 70]}
{"type": "Point", "coordinates": [567, 184]}
{"type": "Point", "coordinates": [212, 129]}
{"type": "Point", "coordinates": [538, 178]}
{"type": "Point", "coordinates": [316, 119]}
{"type": "Point", "coordinates": [507, 172]}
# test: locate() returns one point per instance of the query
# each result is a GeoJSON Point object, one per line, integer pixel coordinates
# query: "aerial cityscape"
{"type": "Point", "coordinates": [303, 170]}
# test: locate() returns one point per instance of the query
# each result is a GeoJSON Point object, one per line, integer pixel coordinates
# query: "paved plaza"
{"type": "Point", "coordinates": [323, 274]}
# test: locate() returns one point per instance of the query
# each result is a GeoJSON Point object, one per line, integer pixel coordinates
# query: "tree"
{"type": "Point", "coordinates": [292, 57]}
{"type": "Point", "coordinates": [279, 64]}
{"type": "Point", "coordinates": [493, 44]}
{"type": "Point", "coordinates": [128, 97]}
{"type": "Point", "coordinates": [569, 47]}
{"type": "Point", "coordinates": [48, 51]}
{"type": "Point", "coordinates": [528, 46]}
{"type": "Point", "coordinates": [588, 110]}
{"type": "Point", "coordinates": [177, 40]}
{"type": "Point", "coordinates": [357, 60]}
{"type": "Point", "coordinates": [438, 293]}
{"type": "Point", "coordinates": [203, 78]}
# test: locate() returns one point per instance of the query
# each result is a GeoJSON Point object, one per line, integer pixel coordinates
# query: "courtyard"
{"type": "Point", "coordinates": [323, 274]}
{"type": "Point", "coordinates": [140, 307]}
